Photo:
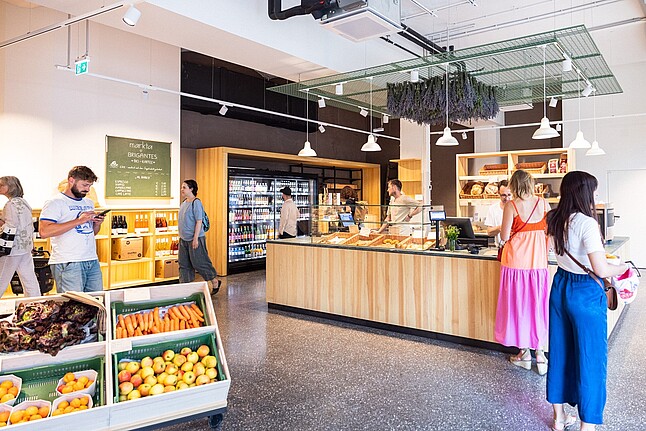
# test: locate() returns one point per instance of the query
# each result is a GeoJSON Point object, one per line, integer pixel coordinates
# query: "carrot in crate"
{"type": "Point", "coordinates": [197, 310]}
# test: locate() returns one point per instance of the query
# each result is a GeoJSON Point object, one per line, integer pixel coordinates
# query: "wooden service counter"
{"type": "Point", "coordinates": [449, 293]}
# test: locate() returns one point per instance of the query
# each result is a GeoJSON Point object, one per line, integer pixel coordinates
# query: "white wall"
{"type": "Point", "coordinates": [51, 120]}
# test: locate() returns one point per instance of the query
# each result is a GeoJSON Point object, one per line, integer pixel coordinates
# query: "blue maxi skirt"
{"type": "Point", "coordinates": [578, 345]}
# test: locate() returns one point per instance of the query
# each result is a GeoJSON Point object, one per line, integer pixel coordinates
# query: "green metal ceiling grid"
{"type": "Point", "coordinates": [515, 66]}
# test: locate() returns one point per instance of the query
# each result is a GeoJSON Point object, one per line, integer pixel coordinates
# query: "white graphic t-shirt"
{"type": "Point", "coordinates": [75, 245]}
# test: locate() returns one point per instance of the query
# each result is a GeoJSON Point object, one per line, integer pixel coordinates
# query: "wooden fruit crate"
{"type": "Point", "coordinates": [335, 238]}
{"type": "Point", "coordinates": [416, 244]}
{"type": "Point", "coordinates": [494, 169]}
{"type": "Point", "coordinates": [534, 168]}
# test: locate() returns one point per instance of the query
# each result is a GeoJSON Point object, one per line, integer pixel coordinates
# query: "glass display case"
{"type": "Point", "coordinates": [254, 204]}
{"type": "Point", "coordinates": [359, 226]}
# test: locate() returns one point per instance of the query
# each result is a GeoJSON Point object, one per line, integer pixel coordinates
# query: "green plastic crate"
{"type": "Point", "coordinates": [156, 349]}
{"type": "Point", "coordinates": [40, 383]}
{"type": "Point", "coordinates": [118, 307]}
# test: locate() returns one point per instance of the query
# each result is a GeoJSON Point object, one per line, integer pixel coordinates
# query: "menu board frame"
{"type": "Point", "coordinates": [137, 168]}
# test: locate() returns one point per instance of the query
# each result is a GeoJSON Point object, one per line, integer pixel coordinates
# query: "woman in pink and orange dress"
{"type": "Point", "coordinates": [523, 299]}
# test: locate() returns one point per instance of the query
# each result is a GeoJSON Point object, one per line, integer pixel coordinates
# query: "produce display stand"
{"type": "Point", "coordinates": [41, 371]}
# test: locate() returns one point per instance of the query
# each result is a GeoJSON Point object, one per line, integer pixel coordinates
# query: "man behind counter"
{"type": "Point", "coordinates": [71, 223]}
{"type": "Point", "coordinates": [402, 208]}
{"type": "Point", "coordinates": [288, 216]}
{"type": "Point", "coordinates": [494, 216]}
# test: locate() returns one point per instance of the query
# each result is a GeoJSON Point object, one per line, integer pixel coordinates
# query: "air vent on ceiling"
{"type": "Point", "coordinates": [364, 20]}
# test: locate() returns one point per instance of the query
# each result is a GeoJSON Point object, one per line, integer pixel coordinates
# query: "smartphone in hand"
{"type": "Point", "coordinates": [103, 213]}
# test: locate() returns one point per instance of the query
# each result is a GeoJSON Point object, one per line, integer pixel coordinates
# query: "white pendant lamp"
{"type": "Point", "coordinates": [579, 141]}
{"type": "Point", "coordinates": [545, 131]}
{"type": "Point", "coordinates": [596, 150]}
{"type": "Point", "coordinates": [371, 144]}
{"type": "Point", "coordinates": [307, 150]}
{"type": "Point", "coordinates": [447, 140]}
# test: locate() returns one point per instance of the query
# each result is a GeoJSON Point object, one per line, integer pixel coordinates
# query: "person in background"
{"type": "Point", "coordinates": [494, 215]}
{"type": "Point", "coordinates": [193, 255]}
{"type": "Point", "coordinates": [349, 199]}
{"type": "Point", "coordinates": [522, 311]}
{"type": "Point", "coordinates": [71, 223]}
{"type": "Point", "coordinates": [17, 213]}
{"type": "Point", "coordinates": [578, 336]}
{"type": "Point", "coordinates": [402, 208]}
{"type": "Point", "coordinates": [288, 216]}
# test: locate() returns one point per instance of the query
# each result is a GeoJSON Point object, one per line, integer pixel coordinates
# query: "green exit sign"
{"type": "Point", "coordinates": [82, 66]}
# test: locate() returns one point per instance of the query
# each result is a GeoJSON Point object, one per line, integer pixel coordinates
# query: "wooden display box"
{"type": "Point", "coordinates": [416, 244]}
{"type": "Point", "coordinates": [335, 238]}
{"type": "Point", "coordinates": [128, 248]}
{"type": "Point", "coordinates": [167, 268]}
{"type": "Point", "coordinates": [389, 241]}
{"type": "Point", "coordinates": [362, 241]}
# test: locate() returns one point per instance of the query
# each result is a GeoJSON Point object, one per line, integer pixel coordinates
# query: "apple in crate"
{"type": "Point", "coordinates": [133, 395]}
{"type": "Point", "coordinates": [203, 350]}
{"type": "Point", "coordinates": [211, 373]}
{"type": "Point", "coordinates": [124, 376]}
{"type": "Point", "coordinates": [125, 388]}
{"type": "Point", "coordinates": [133, 367]}
{"type": "Point", "coordinates": [168, 355]}
{"type": "Point", "coordinates": [187, 366]}
{"type": "Point", "coordinates": [144, 389]}
{"type": "Point", "coordinates": [159, 367]}
{"type": "Point", "coordinates": [202, 380]}
{"type": "Point", "coordinates": [136, 380]}
{"type": "Point", "coordinates": [147, 362]}
{"type": "Point", "coordinates": [178, 360]}
{"type": "Point", "coordinates": [193, 357]}
{"type": "Point", "coordinates": [185, 351]}
{"type": "Point", "coordinates": [189, 377]}
{"type": "Point", "coordinates": [157, 389]}
{"type": "Point", "coordinates": [210, 361]}
{"type": "Point", "coordinates": [146, 372]}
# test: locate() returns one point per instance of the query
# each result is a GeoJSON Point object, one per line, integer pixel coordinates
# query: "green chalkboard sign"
{"type": "Point", "coordinates": [136, 168]}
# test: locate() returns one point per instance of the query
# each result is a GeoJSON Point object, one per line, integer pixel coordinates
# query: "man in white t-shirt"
{"type": "Point", "coordinates": [494, 215]}
{"type": "Point", "coordinates": [402, 208]}
{"type": "Point", "coordinates": [71, 223]}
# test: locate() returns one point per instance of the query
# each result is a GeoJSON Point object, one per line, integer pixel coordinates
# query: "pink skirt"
{"type": "Point", "coordinates": [523, 308]}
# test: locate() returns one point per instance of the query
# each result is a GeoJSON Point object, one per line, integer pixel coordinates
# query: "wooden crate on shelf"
{"type": "Point", "coordinates": [494, 169]}
{"type": "Point", "coordinates": [467, 190]}
{"type": "Point", "coordinates": [534, 168]}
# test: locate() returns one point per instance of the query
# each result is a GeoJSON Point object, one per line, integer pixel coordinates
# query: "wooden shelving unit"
{"type": "Point", "coordinates": [126, 273]}
{"type": "Point", "coordinates": [409, 172]}
{"type": "Point", "coordinates": [468, 169]}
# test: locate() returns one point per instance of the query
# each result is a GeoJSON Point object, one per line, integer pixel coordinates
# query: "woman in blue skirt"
{"type": "Point", "coordinates": [578, 341]}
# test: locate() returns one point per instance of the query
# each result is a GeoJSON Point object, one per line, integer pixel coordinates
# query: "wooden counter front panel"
{"type": "Point", "coordinates": [433, 293]}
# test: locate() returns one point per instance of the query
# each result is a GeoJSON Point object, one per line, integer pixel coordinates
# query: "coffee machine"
{"type": "Point", "coordinates": [606, 218]}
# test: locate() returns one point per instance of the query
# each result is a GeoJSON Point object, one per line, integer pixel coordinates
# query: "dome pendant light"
{"type": "Point", "coordinates": [545, 131]}
{"type": "Point", "coordinates": [596, 150]}
{"type": "Point", "coordinates": [579, 141]}
{"type": "Point", "coordinates": [371, 144]}
{"type": "Point", "coordinates": [307, 150]}
{"type": "Point", "coordinates": [447, 140]}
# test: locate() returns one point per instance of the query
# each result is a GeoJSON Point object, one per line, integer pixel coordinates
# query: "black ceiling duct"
{"type": "Point", "coordinates": [315, 7]}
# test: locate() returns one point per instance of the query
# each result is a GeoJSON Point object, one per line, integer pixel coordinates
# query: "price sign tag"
{"type": "Point", "coordinates": [365, 231]}
{"type": "Point", "coordinates": [7, 306]}
{"type": "Point", "coordinates": [136, 294]}
{"type": "Point", "coordinates": [121, 345]}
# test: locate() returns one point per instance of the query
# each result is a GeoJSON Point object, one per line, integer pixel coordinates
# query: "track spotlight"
{"type": "Point", "coordinates": [558, 127]}
{"type": "Point", "coordinates": [131, 16]}
{"type": "Point", "coordinates": [339, 89]}
{"type": "Point", "coordinates": [566, 66]}
{"type": "Point", "coordinates": [553, 102]}
{"type": "Point", "coordinates": [363, 112]}
{"type": "Point", "coordinates": [414, 76]}
{"type": "Point", "coordinates": [321, 102]}
{"type": "Point", "coordinates": [464, 135]}
{"type": "Point", "coordinates": [378, 130]}
{"type": "Point", "coordinates": [385, 119]}
{"type": "Point", "coordinates": [587, 90]}
{"type": "Point", "coordinates": [145, 94]}
{"type": "Point", "coordinates": [223, 110]}
{"type": "Point", "coordinates": [321, 128]}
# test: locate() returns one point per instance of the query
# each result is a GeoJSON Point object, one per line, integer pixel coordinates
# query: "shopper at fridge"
{"type": "Point", "coordinates": [494, 215]}
{"type": "Point", "coordinates": [578, 336]}
{"type": "Point", "coordinates": [17, 214]}
{"type": "Point", "coordinates": [402, 208]}
{"type": "Point", "coordinates": [193, 255]}
{"type": "Point", "coordinates": [288, 216]}
{"type": "Point", "coordinates": [522, 311]}
{"type": "Point", "coordinates": [71, 223]}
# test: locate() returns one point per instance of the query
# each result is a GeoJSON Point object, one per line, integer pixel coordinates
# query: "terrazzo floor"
{"type": "Point", "coordinates": [295, 372]}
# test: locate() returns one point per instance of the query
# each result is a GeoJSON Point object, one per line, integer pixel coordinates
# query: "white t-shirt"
{"type": "Point", "coordinates": [584, 237]}
{"type": "Point", "coordinates": [75, 245]}
{"type": "Point", "coordinates": [399, 209]}
{"type": "Point", "coordinates": [494, 219]}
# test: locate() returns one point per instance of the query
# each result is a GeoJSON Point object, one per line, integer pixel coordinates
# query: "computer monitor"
{"type": "Point", "coordinates": [464, 224]}
{"type": "Point", "coordinates": [346, 219]}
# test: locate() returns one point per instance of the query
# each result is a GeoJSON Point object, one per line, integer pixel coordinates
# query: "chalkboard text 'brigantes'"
{"type": "Point", "coordinates": [137, 168]}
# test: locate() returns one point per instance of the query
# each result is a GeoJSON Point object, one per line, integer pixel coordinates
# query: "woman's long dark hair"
{"type": "Point", "coordinates": [577, 196]}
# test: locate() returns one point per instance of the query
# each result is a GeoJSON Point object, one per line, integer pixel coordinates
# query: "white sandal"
{"type": "Point", "coordinates": [541, 364]}
{"type": "Point", "coordinates": [522, 359]}
{"type": "Point", "coordinates": [563, 425]}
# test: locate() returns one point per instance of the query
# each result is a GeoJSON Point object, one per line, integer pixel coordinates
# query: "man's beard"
{"type": "Point", "coordinates": [77, 193]}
